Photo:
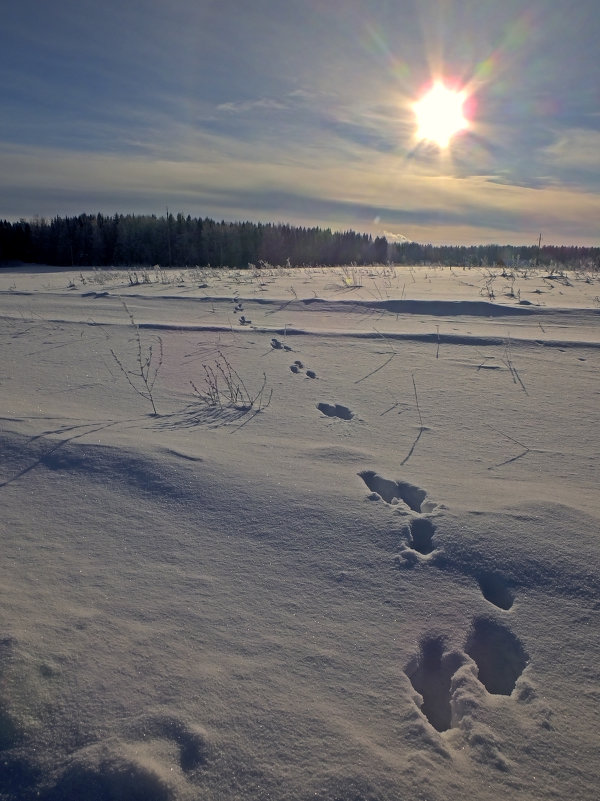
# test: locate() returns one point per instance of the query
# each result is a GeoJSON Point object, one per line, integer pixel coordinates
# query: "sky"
{"type": "Point", "coordinates": [303, 112]}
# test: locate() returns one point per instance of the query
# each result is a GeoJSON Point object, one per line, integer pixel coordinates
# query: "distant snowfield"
{"type": "Point", "coordinates": [383, 585]}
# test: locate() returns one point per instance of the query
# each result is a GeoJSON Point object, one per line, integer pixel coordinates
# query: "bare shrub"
{"type": "Point", "coordinates": [225, 388]}
{"type": "Point", "coordinates": [143, 376]}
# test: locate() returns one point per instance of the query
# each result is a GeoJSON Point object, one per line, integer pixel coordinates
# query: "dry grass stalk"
{"type": "Point", "coordinates": [225, 388]}
{"type": "Point", "coordinates": [143, 377]}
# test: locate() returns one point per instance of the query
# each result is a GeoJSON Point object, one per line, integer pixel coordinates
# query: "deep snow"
{"type": "Point", "coordinates": [383, 585]}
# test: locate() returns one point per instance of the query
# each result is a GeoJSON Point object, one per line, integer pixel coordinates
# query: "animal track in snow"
{"type": "Point", "coordinates": [330, 410]}
{"type": "Point", "coordinates": [421, 532]}
{"type": "Point", "coordinates": [297, 367]}
{"type": "Point", "coordinates": [498, 654]}
{"type": "Point", "coordinates": [128, 770]}
{"type": "Point", "coordinates": [430, 674]}
{"type": "Point", "coordinates": [103, 774]}
{"type": "Point", "coordinates": [191, 741]}
{"type": "Point", "coordinates": [495, 590]}
{"type": "Point", "coordinates": [276, 344]}
{"type": "Point", "coordinates": [392, 491]}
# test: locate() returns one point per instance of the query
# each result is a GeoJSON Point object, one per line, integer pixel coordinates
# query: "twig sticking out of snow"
{"type": "Point", "coordinates": [143, 377]}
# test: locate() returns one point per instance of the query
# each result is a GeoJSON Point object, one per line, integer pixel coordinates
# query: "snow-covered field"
{"type": "Point", "coordinates": [385, 584]}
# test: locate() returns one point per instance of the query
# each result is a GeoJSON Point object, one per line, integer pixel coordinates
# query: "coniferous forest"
{"type": "Point", "coordinates": [177, 241]}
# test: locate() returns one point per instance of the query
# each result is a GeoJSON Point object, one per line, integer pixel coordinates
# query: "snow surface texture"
{"type": "Point", "coordinates": [372, 576]}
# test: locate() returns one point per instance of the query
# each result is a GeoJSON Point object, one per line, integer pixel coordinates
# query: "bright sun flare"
{"type": "Point", "coordinates": [440, 115]}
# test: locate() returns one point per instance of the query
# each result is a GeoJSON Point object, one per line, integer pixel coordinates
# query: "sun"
{"type": "Point", "coordinates": [440, 114]}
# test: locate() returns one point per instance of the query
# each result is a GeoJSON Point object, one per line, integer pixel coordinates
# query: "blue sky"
{"type": "Point", "coordinates": [301, 112]}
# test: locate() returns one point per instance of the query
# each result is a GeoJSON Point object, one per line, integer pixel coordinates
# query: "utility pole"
{"type": "Point", "coordinates": [169, 237]}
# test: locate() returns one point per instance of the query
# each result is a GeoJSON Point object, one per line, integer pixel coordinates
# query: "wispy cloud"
{"type": "Point", "coordinates": [378, 194]}
{"type": "Point", "coordinates": [300, 113]}
{"type": "Point", "coordinates": [262, 104]}
{"type": "Point", "coordinates": [575, 148]}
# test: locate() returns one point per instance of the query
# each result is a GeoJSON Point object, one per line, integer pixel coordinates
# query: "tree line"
{"type": "Point", "coordinates": [125, 240]}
